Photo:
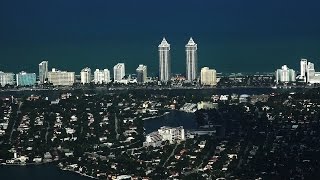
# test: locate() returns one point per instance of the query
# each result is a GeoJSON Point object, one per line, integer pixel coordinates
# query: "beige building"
{"type": "Point", "coordinates": [207, 105]}
{"type": "Point", "coordinates": [61, 78]}
{"type": "Point", "coordinates": [6, 78]}
{"type": "Point", "coordinates": [208, 77]}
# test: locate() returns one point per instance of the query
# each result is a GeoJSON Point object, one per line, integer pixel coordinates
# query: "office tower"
{"type": "Point", "coordinates": [191, 60]}
{"type": "Point", "coordinates": [119, 72]}
{"type": "Point", "coordinates": [141, 74]}
{"type": "Point", "coordinates": [101, 76]}
{"type": "Point", "coordinates": [26, 79]}
{"type": "Point", "coordinates": [6, 78]}
{"type": "Point", "coordinates": [61, 78]}
{"type": "Point", "coordinates": [43, 71]}
{"type": "Point", "coordinates": [208, 77]}
{"type": "Point", "coordinates": [85, 75]}
{"type": "Point", "coordinates": [285, 75]}
{"type": "Point", "coordinates": [164, 61]}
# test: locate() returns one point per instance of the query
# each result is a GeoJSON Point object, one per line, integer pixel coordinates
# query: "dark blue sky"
{"type": "Point", "coordinates": [232, 35]}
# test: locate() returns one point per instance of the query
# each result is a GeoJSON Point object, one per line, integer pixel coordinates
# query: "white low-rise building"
{"type": "Point", "coordinates": [207, 105]}
{"type": "Point", "coordinates": [61, 78]}
{"type": "Point", "coordinates": [171, 134]}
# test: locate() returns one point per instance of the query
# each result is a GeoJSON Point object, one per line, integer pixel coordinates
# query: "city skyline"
{"type": "Point", "coordinates": [191, 59]}
{"type": "Point", "coordinates": [170, 89]}
{"type": "Point", "coordinates": [131, 70]}
{"type": "Point", "coordinates": [231, 38]}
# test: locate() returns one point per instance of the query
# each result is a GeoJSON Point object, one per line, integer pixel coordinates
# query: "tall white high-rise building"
{"type": "Point", "coordinates": [191, 60]}
{"type": "Point", "coordinates": [303, 69]}
{"type": "Point", "coordinates": [6, 78]}
{"type": "Point", "coordinates": [312, 76]}
{"type": "Point", "coordinates": [285, 75]}
{"type": "Point", "coordinates": [208, 77]}
{"type": "Point", "coordinates": [164, 61]}
{"type": "Point", "coordinates": [141, 73]}
{"type": "Point", "coordinates": [308, 73]}
{"type": "Point", "coordinates": [43, 71]}
{"type": "Point", "coordinates": [119, 72]}
{"type": "Point", "coordinates": [61, 78]}
{"type": "Point", "coordinates": [101, 76]}
{"type": "Point", "coordinates": [85, 75]}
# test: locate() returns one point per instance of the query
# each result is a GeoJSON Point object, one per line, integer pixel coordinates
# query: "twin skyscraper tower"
{"type": "Point", "coordinates": [165, 61]}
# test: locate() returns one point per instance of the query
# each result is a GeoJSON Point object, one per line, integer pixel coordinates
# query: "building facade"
{"type": "Point", "coordinates": [26, 79]}
{"type": "Point", "coordinates": [85, 76]}
{"type": "Point", "coordinates": [61, 78]}
{"type": "Point", "coordinates": [303, 69]}
{"type": "Point", "coordinates": [141, 74]}
{"type": "Point", "coordinates": [164, 61]}
{"type": "Point", "coordinates": [191, 60]}
{"type": "Point", "coordinates": [119, 72]}
{"type": "Point", "coordinates": [207, 105]}
{"type": "Point", "coordinates": [101, 76]}
{"type": "Point", "coordinates": [285, 75]}
{"type": "Point", "coordinates": [208, 77]}
{"type": "Point", "coordinates": [308, 73]}
{"type": "Point", "coordinates": [6, 78]}
{"type": "Point", "coordinates": [43, 71]}
{"type": "Point", "coordinates": [313, 77]}
{"type": "Point", "coordinates": [171, 134]}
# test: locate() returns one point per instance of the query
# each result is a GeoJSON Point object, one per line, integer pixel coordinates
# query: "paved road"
{"type": "Point", "coordinates": [14, 123]}
{"type": "Point", "coordinates": [195, 170]}
{"type": "Point", "coordinates": [47, 132]}
{"type": "Point", "coordinates": [116, 124]}
{"type": "Point", "coordinates": [172, 153]}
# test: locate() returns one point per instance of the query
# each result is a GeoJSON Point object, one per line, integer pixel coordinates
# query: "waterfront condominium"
{"type": "Point", "coordinates": [101, 76]}
{"type": "Point", "coordinates": [164, 61]}
{"type": "Point", "coordinates": [43, 71]}
{"type": "Point", "coordinates": [191, 60]}
{"type": "Point", "coordinates": [208, 77]}
{"type": "Point", "coordinates": [303, 69]}
{"type": "Point", "coordinates": [85, 75]}
{"type": "Point", "coordinates": [61, 78]}
{"type": "Point", "coordinates": [6, 78]}
{"type": "Point", "coordinates": [26, 79]}
{"type": "Point", "coordinates": [171, 134]}
{"type": "Point", "coordinates": [285, 75]}
{"type": "Point", "coordinates": [141, 74]}
{"type": "Point", "coordinates": [119, 72]}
